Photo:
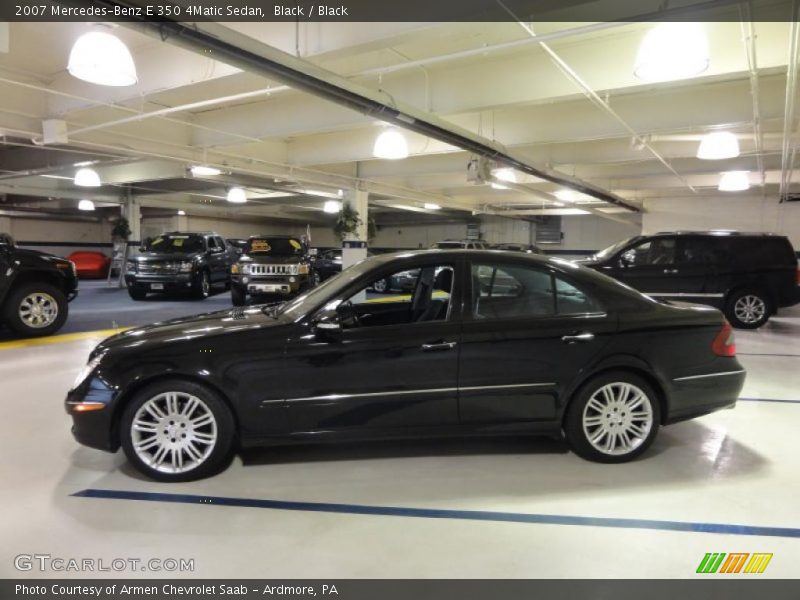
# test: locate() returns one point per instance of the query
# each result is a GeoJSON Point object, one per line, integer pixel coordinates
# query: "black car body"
{"type": "Point", "coordinates": [35, 289]}
{"type": "Point", "coordinates": [181, 262]}
{"type": "Point", "coordinates": [451, 359]}
{"type": "Point", "coordinates": [749, 276]}
{"type": "Point", "coordinates": [515, 247]}
{"type": "Point", "coordinates": [463, 244]}
{"type": "Point", "coordinates": [272, 265]}
{"type": "Point", "coordinates": [328, 263]}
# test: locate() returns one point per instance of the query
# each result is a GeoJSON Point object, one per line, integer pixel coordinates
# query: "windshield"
{"type": "Point", "coordinates": [613, 248]}
{"type": "Point", "coordinates": [328, 289]}
{"type": "Point", "coordinates": [171, 244]}
{"type": "Point", "coordinates": [275, 246]}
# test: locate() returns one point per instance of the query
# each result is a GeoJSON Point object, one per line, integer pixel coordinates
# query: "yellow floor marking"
{"type": "Point", "coordinates": [59, 339]}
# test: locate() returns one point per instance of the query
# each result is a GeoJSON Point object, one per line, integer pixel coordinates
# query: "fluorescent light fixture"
{"type": "Point", "coordinates": [718, 145]}
{"type": "Point", "coordinates": [340, 193]}
{"type": "Point", "coordinates": [431, 206]}
{"type": "Point", "coordinates": [181, 213]}
{"type": "Point", "coordinates": [734, 181]}
{"type": "Point", "coordinates": [390, 144]}
{"type": "Point", "coordinates": [503, 174]}
{"type": "Point", "coordinates": [332, 206]}
{"type": "Point", "coordinates": [204, 171]}
{"type": "Point", "coordinates": [86, 178]}
{"type": "Point", "coordinates": [567, 195]}
{"type": "Point", "coordinates": [558, 204]}
{"type": "Point", "coordinates": [86, 205]}
{"type": "Point", "coordinates": [237, 195]}
{"type": "Point", "coordinates": [102, 58]}
{"type": "Point", "coordinates": [672, 51]}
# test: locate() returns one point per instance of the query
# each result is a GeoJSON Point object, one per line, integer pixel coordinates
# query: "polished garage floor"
{"type": "Point", "coordinates": [543, 511]}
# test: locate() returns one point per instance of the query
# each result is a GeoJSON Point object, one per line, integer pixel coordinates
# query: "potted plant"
{"type": "Point", "coordinates": [347, 222]}
{"type": "Point", "coordinates": [121, 230]}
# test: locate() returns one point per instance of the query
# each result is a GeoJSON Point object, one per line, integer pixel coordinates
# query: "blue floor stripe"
{"type": "Point", "coordinates": [769, 400]}
{"type": "Point", "coordinates": [437, 513]}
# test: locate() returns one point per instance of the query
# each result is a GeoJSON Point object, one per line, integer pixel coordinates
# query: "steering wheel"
{"type": "Point", "coordinates": [348, 316]}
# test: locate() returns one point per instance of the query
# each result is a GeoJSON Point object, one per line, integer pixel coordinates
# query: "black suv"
{"type": "Point", "coordinates": [181, 262]}
{"type": "Point", "coordinates": [35, 289]}
{"type": "Point", "coordinates": [748, 276]}
{"type": "Point", "coordinates": [272, 265]}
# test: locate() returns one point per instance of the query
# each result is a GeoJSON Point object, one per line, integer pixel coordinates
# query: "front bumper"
{"type": "Point", "coordinates": [265, 285]}
{"type": "Point", "coordinates": [95, 427]}
{"type": "Point", "coordinates": [168, 283]}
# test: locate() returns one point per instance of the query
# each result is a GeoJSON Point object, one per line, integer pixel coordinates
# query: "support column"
{"type": "Point", "coordinates": [5, 225]}
{"type": "Point", "coordinates": [132, 211]}
{"type": "Point", "coordinates": [354, 246]}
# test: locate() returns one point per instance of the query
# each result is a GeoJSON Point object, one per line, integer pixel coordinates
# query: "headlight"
{"type": "Point", "coordinates": [130, 266]}
{"type": "Point", "coordinates": [245, 269]}
{"type": "Point", "coordinates": [87, 370]}
{"type": "Point", "coordinates": [302, 270]}
{"type": "Point", "coordinates": [185, 266]}
{"type": "Point", "coordinates": [235, 268]}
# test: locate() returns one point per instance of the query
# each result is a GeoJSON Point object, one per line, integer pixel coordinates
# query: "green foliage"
{"type": "Point", "coordinates": [121, 229]}
{"type": "Point", "coordinates": [347, 222]}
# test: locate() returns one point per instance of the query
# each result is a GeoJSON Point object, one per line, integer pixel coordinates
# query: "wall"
{"type": "Point", "coordinates": [80, 235]}
{"type": "Point", "coordinates": [731, 211]}
{"type": "Point", "coordinates": [591, 233]}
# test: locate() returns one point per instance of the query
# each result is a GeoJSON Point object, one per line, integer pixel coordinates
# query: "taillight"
{"type": "Point", "coordinates": [724, 344]}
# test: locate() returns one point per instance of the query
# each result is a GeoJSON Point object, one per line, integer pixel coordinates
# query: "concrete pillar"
{"type": "Point", "coordinates": [181, 223]}
{"type": "Point", "coordinates": [354, 246]}
{"type": "Point", "coordinates": [5, 225]}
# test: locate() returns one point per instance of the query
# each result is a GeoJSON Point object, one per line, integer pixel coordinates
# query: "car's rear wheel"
{"type": "Point", "coordinates": [177, 431]}
{"type": "Point", "coordinates": [613, 418]}
{"type": "Point", "coordinates": [748, 309]}
{"type": "Point", "coordinates": [36, 309]}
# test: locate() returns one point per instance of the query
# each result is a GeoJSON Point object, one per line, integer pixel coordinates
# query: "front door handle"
{"type": "Point", "coordinates": [670, 271]}
{"type": "Point", "coordinates": [578, 337]}
{"type": "Point", "coordinates": [438, 346]}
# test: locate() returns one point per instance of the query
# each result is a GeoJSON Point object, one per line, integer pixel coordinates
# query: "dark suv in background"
{"type": "Point", "coordinates": [748, 276]}
{"type": "Point", "coordinates": [35, 289]}
{"type": "Point", "coordinates": [181, 262]}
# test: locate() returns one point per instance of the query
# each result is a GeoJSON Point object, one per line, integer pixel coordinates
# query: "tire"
{"type": "Point", "coordinates": [35, 309]}
{"type": "Point", "coordinates": [593, 418]}
{"type": "Point", "coordinates": [137, 294]}
{"type": "Point", "coordinates": [315, 279]}
{"type": "Point", "coordinates": [202, 286]}
{"type": "Point", "coordinates": [238, 297]}
{"type": "Point", "coordinates": [748, 309]}
{"type": "Point", "coordinates": [381, 286]}
{"type": "Point", "coordinates": [167, 444]}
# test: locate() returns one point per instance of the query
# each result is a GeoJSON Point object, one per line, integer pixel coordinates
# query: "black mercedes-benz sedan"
{"type": "Point", "coordinates": [486, 343]}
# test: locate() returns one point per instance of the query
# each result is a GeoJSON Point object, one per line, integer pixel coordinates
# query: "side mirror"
{"type": "Point", "coordinates": [627, 258]}
{"type": "Point", "coordinates": [327, 330]}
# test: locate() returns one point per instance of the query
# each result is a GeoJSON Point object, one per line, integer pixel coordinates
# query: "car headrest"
{"type": "Point", "coordinates": [444, 280]}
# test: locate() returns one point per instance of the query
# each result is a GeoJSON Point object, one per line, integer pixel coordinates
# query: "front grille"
{"type": "Point", "coordinates": [273, 269]}
{"type": "Point", "coordinates": [158, 268]}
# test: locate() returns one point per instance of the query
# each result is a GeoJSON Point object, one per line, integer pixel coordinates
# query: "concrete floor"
{"type": "Point", "coordinates": [734, 467]}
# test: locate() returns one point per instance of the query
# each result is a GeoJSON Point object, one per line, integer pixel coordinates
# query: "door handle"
{"type": "Point", "coordinates": [670, 271]}
{"type": "Point", "coordinates": [438, 346]}
{"type": "Point", "coordinates": [578, 337]}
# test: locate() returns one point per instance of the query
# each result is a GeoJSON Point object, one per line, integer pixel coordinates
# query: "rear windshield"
{"type": "Point", "coordinates": [170, 244]}
{"type": "Point", "coordinates": [275, 246]}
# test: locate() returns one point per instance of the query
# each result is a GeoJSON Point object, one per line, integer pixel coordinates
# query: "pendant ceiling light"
{"type": "Point", "coordinates": [718, 145]}
{"type": "Point", "coordinates": [390, 144]}
{"type": "Point", "coordinates": [237, 195]}
{"type": "Point", "coordinates": [332, 207]}
{"type": "Point", "coordinates": [102, 58]}
{"type": "Point", "coordinates": [734, 181]}
{"type": "Point", "coordinates": [86, 205]}
{"type": "Point", "coordinates": [504, 174]}
{"type": "Point", "coordinates": [672, 51]}
{"type": "Point", "coordinates": [87, 178]}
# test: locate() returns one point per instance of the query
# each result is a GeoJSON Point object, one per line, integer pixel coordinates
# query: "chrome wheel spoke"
{"type": "Point", "coordinates": [617, 418]}
{"type": "Point", "coordinates": [38, 310]}
{"type": "Point", "coordinates": [145, 426]}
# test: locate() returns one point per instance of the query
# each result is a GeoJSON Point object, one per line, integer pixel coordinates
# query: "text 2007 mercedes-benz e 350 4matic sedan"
{"type": "Point", "coordinates": [486, 342]}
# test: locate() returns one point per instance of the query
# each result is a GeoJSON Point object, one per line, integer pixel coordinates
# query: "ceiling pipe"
{"type": "Point", "coordinates": [593, 97]}
{"type": "Point", "coordinates": [787, 151]}
{"type": "Point", "coordinates": [749, 39]}
{"type": "Point", "coordinates": [244, 52]}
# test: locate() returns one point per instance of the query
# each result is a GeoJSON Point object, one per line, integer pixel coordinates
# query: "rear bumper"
{"type": "Point", "coordinates": [698, 395]}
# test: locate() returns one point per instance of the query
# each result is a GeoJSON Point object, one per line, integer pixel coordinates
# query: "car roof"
{"type": "Point", "coordinates": [275, 236]}
{"type": "Point", "coordinates": [719, 233]}
{"type": "Point", "coordinates": [191, 233]}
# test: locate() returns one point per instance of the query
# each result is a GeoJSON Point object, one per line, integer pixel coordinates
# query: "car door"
{"type": "Point", "coordinates": [393, 365]}
{"type": "Point", "coordinates": [217, 259]}
{"type": "Point", "coordinates": [528, 331]}
{"type": "Point", "coordinates": [696, 267]}
{"type": "Point", "coordinates": [649, 266]}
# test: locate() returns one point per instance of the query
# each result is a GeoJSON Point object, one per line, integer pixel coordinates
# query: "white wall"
{"type": "Point", "coordinates": [589, 232]}
{"type": "Point", "coordinates": [55, 231]}
{"type": "Point", "coordinates": [731, 211]}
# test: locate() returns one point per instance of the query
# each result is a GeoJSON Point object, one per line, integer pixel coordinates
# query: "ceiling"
{"type": "Point", "coordinates": [292, 151]}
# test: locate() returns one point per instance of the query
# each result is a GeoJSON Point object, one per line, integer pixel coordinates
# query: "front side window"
{"type": "Point", "coordinates": [657, 251]}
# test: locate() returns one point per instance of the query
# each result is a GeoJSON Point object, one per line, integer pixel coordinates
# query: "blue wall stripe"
{"type": "Point", "coordinates": [769, 400]}
{"type": "Point", "coordinates": [437, 513]}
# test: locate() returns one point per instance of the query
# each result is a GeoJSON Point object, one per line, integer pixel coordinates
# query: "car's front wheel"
{"type": "Point", "coordinates": [748, 309]}
{"type": "Point", "coordinates": [202, 286]}
{"type": "Point", "coordinates": [177, 431]}
{"type": "Point", "coordinates": [613, 418]}
{"type": "Point", "coordinates": [36, 309]}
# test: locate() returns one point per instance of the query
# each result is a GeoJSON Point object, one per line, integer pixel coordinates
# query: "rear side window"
{"type": "Point", "coordinates": [572, 301]}
{"type": "Point", "coordinates": [759, 252]}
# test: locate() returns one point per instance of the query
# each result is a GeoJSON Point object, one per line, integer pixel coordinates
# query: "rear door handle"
{"type": "Point", "coordinates": [438, 346]}
{"type": "Point", "coordinates": [578, 337]}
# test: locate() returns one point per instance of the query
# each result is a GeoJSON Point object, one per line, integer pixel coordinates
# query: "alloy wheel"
{"type": "Point", "coordinates": [38, 310]}
{"type": "Point", "coordinates": [174, 432]}
{"type": "Point", "coordinates": [205, 286]}
{"type": "Point", "coordinates": [617, 418]}
{"type": "Point", "coordinates": [750, 309]}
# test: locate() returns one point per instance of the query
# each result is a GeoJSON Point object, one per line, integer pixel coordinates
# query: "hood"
{"type": "Point", "coordinates": [162, 257]}
{"type": "Point", "coordinates": [35, 256]}
{"type": "Point", "coordinates": [184, 329]}
{"type": "Point", "coordinates": [270, 259]}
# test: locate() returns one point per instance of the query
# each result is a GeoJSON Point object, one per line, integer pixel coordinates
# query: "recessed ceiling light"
{"type": "Point", "coordinates": [567, 195]}
{"type": "Point", "coordinates": [503, 174]}
{"type": "Point", "coordinates": [390, 144]}
{"type": "Point", "coordinates": [181, 213]}
{"type": "Point", "coordinates": [431, 206]}
{"type": "Point", "coordinates": [672, 51]}
{"type": "Point", "coordinates": [87, 178]}
{"type": "Point", "coordinates": [718, 145]}
{"type": "Point", "coordinates": [237, 195]}
{"type": "Point", "coordinates": [204, 171]}
{"type": "Point", "coordinates": [332, 206]}
{"type": "Point", "coordinates": [102, 58]}
{"type": "Point", "coordinates": [734, 181]}
{"type": "Point", "coordinates": [86, 205]}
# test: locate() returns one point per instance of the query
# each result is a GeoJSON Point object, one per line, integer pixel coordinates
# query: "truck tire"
{"type": "Point", "coordinates": [35, 309]}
